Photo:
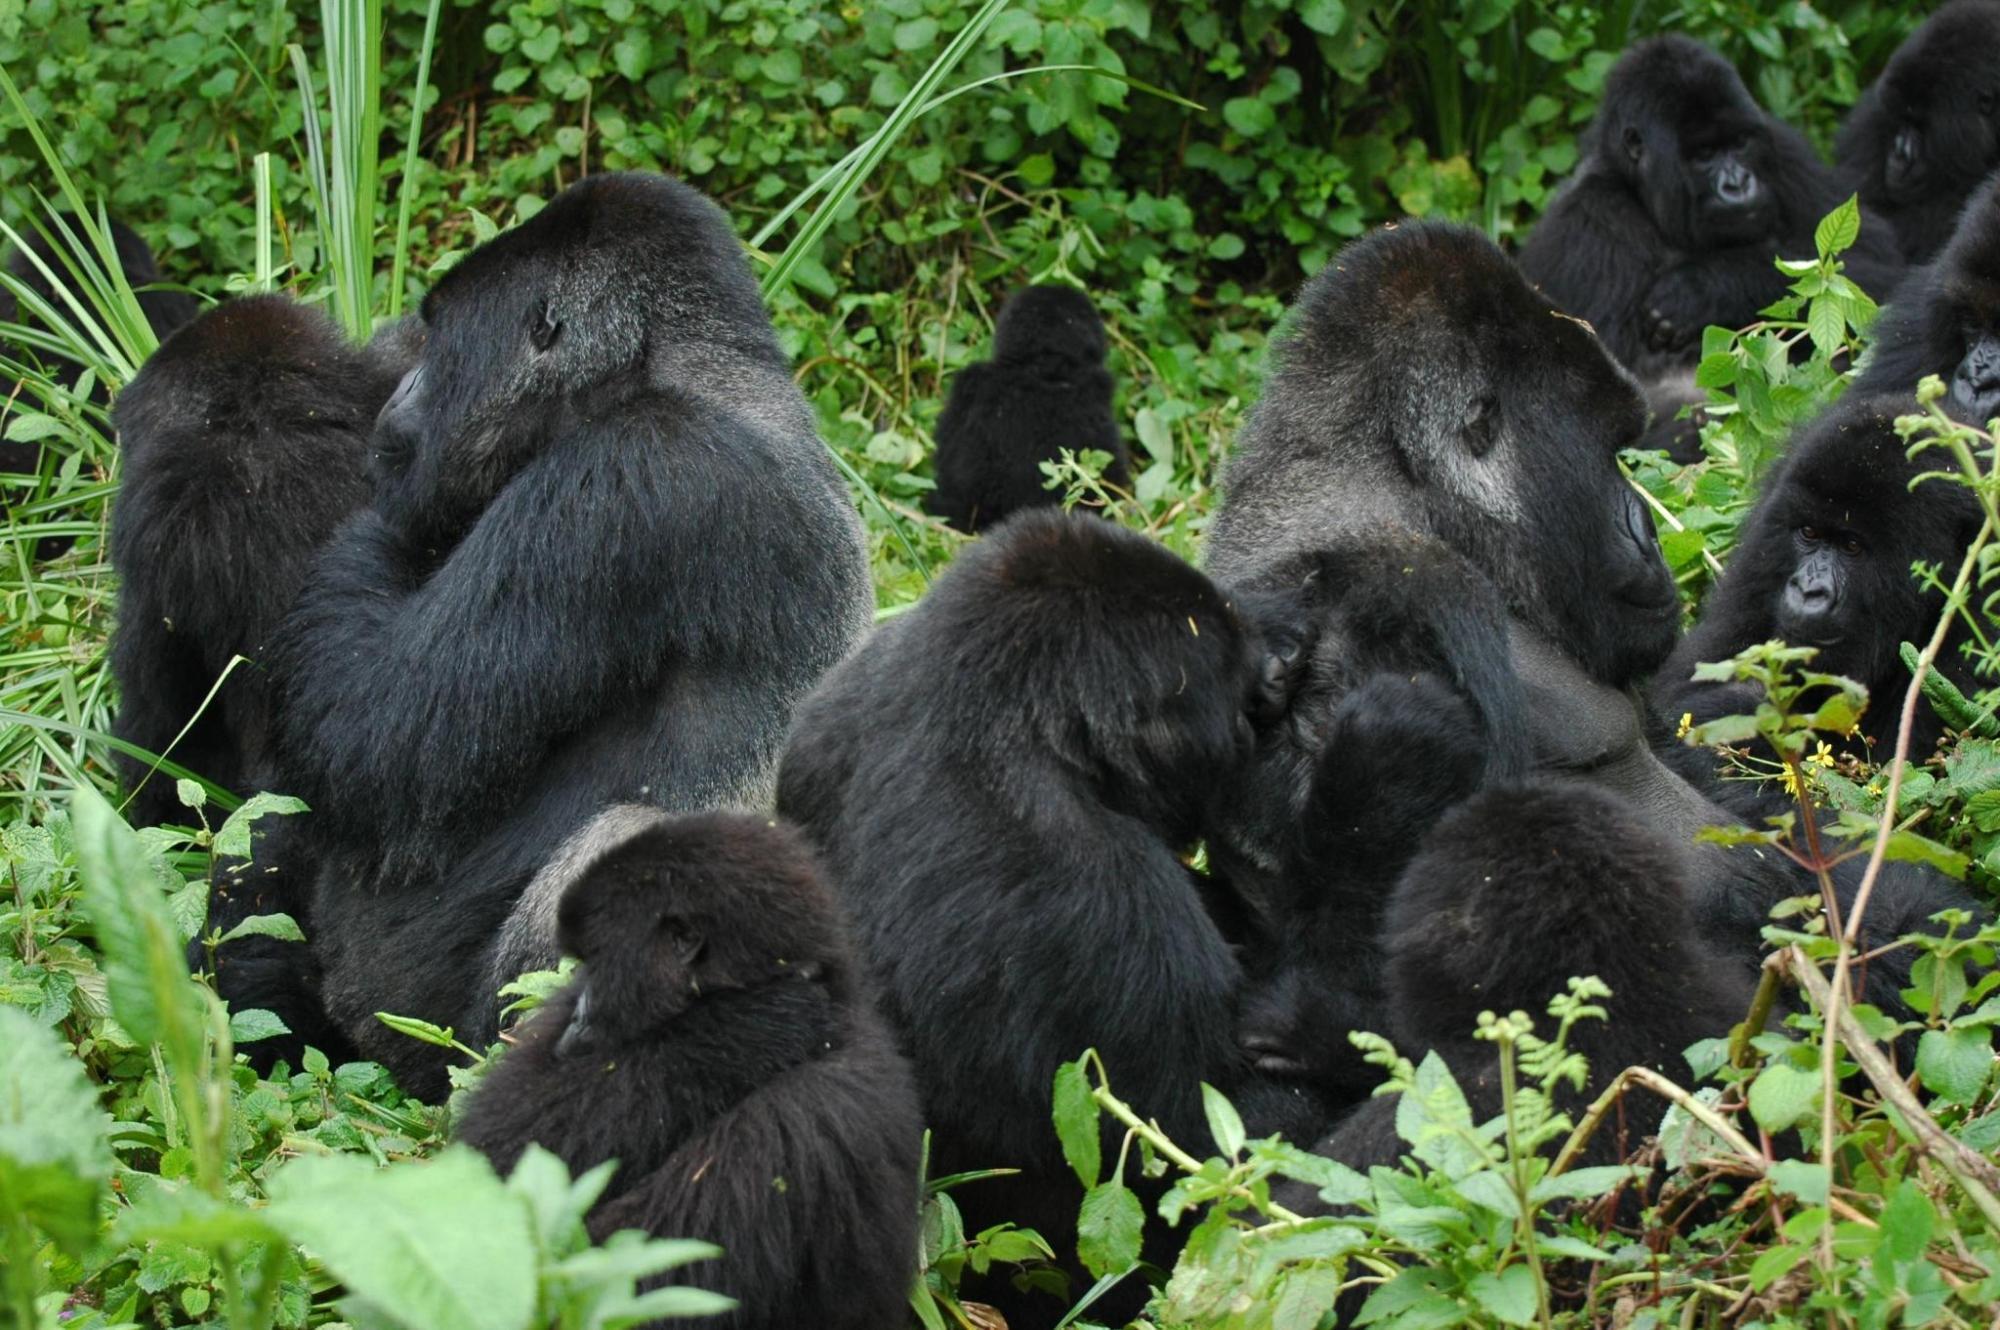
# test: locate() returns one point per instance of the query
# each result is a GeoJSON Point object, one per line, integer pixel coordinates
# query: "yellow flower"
{"type": "Point", "coordinates": [1791, 779]}
{"type": "Point", "coordinates": [1687, 723]}
{"type": "Point", "coordinates": [1824, 756]}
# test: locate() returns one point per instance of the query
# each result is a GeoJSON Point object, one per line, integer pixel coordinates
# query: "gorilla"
{"type": "Point", "coordinates": [1824, 561]}
{"type": "Point", "coordinates": [1928, 131]}
{"type": "Point", "coordinates": [1003, 784]}
{"type": "Point", "coordinates": [1425, 385]}
{"type": "Point", "coordinates": [719, 1042]}
{"type": "Point", "coordinates": [1517, 889]}
{"type": "Point", "coordinates": [261, 390]}
{"type": "Point", "coordinates": [1946, 320]}
{"type": "Point", "coordinates": [1686, 194]}
{"type": "Point", "coordinates": [1045, 389]}
{"type": "Point", "coordinates": [605, 555]}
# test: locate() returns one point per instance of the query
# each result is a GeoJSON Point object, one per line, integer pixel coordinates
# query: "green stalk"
{"type": "Point", "coordinates": [406, 190]}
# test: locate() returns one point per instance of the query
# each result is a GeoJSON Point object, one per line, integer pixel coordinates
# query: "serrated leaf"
{"type": "Point", "coordinates": [442, 1242]}
{"type": "Point", "coordinates": [1249, 116]}
{"type": "Point", "coordinates": [1075, 1114]}
{"type": "Point", "coordinates": [1825, 325]}
{"type": "Point", "coordinates": [1839, 229]}
{"type": "Point", "coordinates": [1783, 1096]}
{"type": "Point", "coordinates": [1582, 1183]}
{"type": "Point", "coordinates": [1955, 1064]}
{"type": "Point", "coordinates": [1108, 1227]}
{"type": "Point", "coordinates": [280, 926]}
{"type": "Point", "coordinates": [1489, 1190]}
{"type": "Point", "coordinates": [1773, 1263]}
{"type": "Point", "coordinates": [1225, 1127]}
{"type": "Point", "coordinates": [1509, 1295]}
{"type": "Point", "coordinates": [233, 837]}
{"type": "Point", "coordinates": [1795, 1177]}
{"type": "Point", "coordinates": [54, 1145]}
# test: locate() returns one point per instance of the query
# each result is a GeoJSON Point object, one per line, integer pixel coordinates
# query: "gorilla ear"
{"type": "Point", "coordinates": [1482, 420]}
{"type": "Point", "coordinates": [544, 328]}
{"type": "Point", "coordinates": [1635, 143]}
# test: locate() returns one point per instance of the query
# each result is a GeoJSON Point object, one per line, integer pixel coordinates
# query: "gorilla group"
{"type": "Point", "coordinates": [597, 554]}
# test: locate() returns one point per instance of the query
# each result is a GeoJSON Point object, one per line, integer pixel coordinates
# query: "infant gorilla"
{"type": "Point", "coordinates": [719, 1042]}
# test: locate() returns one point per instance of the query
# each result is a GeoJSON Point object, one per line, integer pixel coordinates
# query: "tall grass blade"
{"type": "Point", "coordinates": [407, 188]}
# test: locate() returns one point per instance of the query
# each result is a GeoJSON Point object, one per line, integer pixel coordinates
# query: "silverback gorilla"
{"type": "Point", "coordinates": [1045, 389]}
{"type": "Point", "coordinates": [605, 555]}
{"type": "Point", "coordinates": [1002, 784]}
{"type": "Point", "coordinates": [1928, 130]}
{"type": "Point", "coordinates": [719, 1042]}
{"type": "Point", "coordinates": [1945, 320]}
{"type": "Point", "coordinates": [1687, 192]}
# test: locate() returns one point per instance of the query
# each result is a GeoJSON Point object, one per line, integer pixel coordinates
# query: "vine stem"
{"type": "Point", "coordinates": [1166, 1149]}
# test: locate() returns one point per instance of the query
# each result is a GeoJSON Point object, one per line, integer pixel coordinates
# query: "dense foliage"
{"type": "Point", "coordinates": [1188, 163]}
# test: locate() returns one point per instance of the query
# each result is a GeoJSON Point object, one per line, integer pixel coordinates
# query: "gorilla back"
{"type": "Point", "coordinates": [606, 556]}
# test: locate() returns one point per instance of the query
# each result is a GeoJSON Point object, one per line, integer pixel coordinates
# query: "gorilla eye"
{"type": "Point", "coordinates": [1480, 419]}
{"type": "Point", "coordinates": [686, 944]}
{"type": "Point", "coordinates": [1851, 545]}
{"type": "Point", "coordinates": [1812, 534]}
{"type": "Point", "coordinates": [542, 332]}
{"type": "Point", "coordinates": [1634, 144]}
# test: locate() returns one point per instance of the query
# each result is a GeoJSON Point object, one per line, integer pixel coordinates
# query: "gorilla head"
{"type": "Point", "coordinates": [1824, 561]}
{"type": "Point", "coordinates": [1426, 384]}
{"type": "Point", "coordinates": [1928, 131]}
{"type": "Point", "coordinates": [1946, 320]}
{"type": "Point", "coordinates": [1679, 127]}
{"type": "Point", "coordinates": [1056, 322]}
{"type": "Point", "coordinates": [691, 908]}
{"type": "Point", "coordinates": [623, 280]}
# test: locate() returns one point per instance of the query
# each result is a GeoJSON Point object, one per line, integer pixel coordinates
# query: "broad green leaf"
{"type": "Point", "coordinates": [1796, 1177]}
{"type": "Point", "coordinates": [54, 1148]}
{"type": "Point", "coordinates": [1956, 1064]}
{"type": "Point", "coordinates": [1906, 1223]}
{"type": "Point", "coordinates": [1508, 1295]}
{"type": "Point", "coordinates": [254, 1023]}
{"type": "Point", "coordinates": [1323, 16]}
{"type": "Point", "coordinates": [1075, 1114]}
{"type": "Point", "coordinates": [1582, 1183]}
{"type": "Point", "coordinates": [441, 1244]}
{"type": "Point", "coordinates": [1839, 229]}
{"type": "Point", "coordinates": [233, 837]}
{"type": "Point", "coordinates": [1249, 116]}
{"type": "Point", "coordinates": [280, 926]}
{"type": "Point", "coordinates": [1108, 1227]}
{"type": "Point", "coordinates": [1783, 1096]}
{"type": "Point", "coordinates": [1775, 1262]}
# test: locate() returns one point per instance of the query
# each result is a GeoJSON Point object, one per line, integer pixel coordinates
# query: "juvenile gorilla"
{"type": "Point", "coordinates": [1946, 321]}
{"type": "Point", "coordinates": [1824, 561]}
{"type": "Point", "coordinates": [1928, 131]}
{"type": "Point", "coordinates": [216, 429]}
{"type": "Point", "coordinates": [605, 556]}
{"type": "Point", "coordinates": [1518, 889]}
{"type": "Point", "coordinates": [1686, 193]}
{"type": "Point", "coordinates": [1002, 783]}
{"type": "Point", "coordinates": [1045, 389]}
{"type": "Point", "coordinates": [718, 1041]}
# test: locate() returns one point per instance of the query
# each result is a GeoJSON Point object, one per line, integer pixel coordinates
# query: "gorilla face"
{"type": "Point", "coordinates": [686, 910]}
{"type": "Point", "coordinates": [1692, 143]}
{"type": "Point", "coordinates": [1840, 535]}
{"type": "Point", "coordinates": [1939, 106]}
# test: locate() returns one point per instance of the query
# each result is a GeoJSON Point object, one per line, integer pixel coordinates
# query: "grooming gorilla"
{"type": "Point", "coordinates": [1946, 320]}
{"type": "Point", "coordinates": [606, 555]}
{"type": "Point", "coordinates": [255, 393]}
{"type": "Point", "coordinates": [1687, 192]}
{"type": "Point", "coordinates": [1508, 456]}
{"type": "Point", "coordinates": [719, 1043]}
{"type": "Point", "coordinates": [1824, 561]}
{"type": "Point", "coordinates": [1928, 131]}
{"type": "Point", "coordinates": [1516, 890]}
{"type": "Point", "coordinates": [1045, 389]}
{"type": "Point", "coordinates": [1001, 783]}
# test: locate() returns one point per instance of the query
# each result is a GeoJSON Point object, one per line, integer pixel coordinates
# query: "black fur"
{"type": "Point", "coordinates": [1946, 320]}
{"type": "Point", "coordinates": [1002, 783]}
{"type": "Point", "coordinates": [605, 556]}
{"type": "Point", "coordinates": [1517, 890]}
{"type": "Point", "coordinates": [1824, 560]}
{"type": "Point", "coordinates": [719, 1043]}
{"type": "Point", "coordinates": [1928, 131]}
{"type": "Point", "coordinates": [212, 533]}
{"type": "Point", "coordinates": [1045, 389]}
{"type": "Point", "coordinates": [1687, 191]}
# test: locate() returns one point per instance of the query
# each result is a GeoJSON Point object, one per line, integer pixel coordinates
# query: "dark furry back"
{"type": "Point", "coordinates": [1045, 389]}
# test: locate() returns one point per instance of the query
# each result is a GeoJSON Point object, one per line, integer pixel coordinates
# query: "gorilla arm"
{"type": "Point", "coordinates": [1593, 255]}
{"type": "Point", "coordinates": [409, 696]}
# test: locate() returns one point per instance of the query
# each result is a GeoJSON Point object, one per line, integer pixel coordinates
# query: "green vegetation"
{"type": "Point", "coordinates": [898, 167]}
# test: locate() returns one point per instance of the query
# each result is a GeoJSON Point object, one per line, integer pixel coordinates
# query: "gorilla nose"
{"type": "Point", "coordinates": [1271, 1054]}
{"type": "Point", "coordinates": [1809, 607]}
{"type": "Point", "coordinates": [1902, 163]}
{"type": "Point", "coordinates": [1736, 185]}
